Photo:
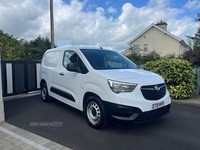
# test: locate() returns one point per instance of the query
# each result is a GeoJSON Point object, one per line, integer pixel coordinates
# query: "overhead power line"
{"type": "Point", "coordinates": [115, 17]}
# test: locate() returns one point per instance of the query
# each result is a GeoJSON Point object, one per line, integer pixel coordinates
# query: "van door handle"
{"type": "Point", "coordinates": [62, 74]}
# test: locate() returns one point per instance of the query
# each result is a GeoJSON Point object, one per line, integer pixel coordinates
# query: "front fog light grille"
{"type": "Point", "coordinates": [153, 92]}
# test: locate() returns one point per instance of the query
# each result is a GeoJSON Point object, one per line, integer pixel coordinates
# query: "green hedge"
{"type": "Point", "coordinates": [178, 75]}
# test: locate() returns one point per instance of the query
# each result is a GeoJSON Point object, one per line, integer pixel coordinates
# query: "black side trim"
{"type": "Point", "coordinates": [62, 93]}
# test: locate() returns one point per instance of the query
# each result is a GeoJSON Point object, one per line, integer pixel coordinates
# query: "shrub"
{"type": "Point", "coordinates": [141, 59]}
{"type": "Point", "coordinates": [178, 75]}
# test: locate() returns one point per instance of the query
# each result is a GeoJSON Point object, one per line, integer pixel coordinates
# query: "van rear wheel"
{"type": "Point", "coordinates": [44, 93]}
{"type": "Point", "coordinates": [95, 112]}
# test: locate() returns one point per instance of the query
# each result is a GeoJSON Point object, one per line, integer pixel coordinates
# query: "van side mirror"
{"type": "Point", "coordinates": [71, 67]}
{"type": "Point", "coordinates": [141, 67]}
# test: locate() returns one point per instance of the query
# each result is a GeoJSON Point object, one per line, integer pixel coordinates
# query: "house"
{"type": "Point", "coordinates": [156, 38]}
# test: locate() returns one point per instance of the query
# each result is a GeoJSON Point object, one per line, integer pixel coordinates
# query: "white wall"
{"type": "Point", "coordinates": [2, 117]}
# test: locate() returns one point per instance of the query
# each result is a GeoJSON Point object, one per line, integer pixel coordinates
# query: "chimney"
{"type": "Point", "coordinates": [162, 25]}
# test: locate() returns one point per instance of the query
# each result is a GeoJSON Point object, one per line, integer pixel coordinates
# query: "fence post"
{"type": "Point", "coordinates": [26, 76]}
{"type": "Point", "coordinates": [198, 81]}
{"type": "Point", "coordinates": [197, 74]}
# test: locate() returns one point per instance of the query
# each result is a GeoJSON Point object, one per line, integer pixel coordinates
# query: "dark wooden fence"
{"type": "Point", "coordinates": [20, 77]}
{"type": "Point", "coordinates": [24, 76]}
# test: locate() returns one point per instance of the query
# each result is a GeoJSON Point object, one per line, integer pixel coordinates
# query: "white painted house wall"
{"type": "Point", "coordinates": [160, 42]}
{"type": "Point", "coordinates": [157, 38]}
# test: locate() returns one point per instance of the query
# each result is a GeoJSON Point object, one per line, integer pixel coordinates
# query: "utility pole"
{"type": "Point", "coordinates": [52, 24]}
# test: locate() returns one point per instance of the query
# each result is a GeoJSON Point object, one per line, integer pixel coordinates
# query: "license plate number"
{"type": "Point", "coordinates": [157, 105]}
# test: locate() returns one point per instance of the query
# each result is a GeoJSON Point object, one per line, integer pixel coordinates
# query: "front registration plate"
{"type": "Point", "coordinates": [157, 105]}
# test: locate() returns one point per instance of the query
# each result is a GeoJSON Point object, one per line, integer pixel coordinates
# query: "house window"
{"type": "Point", "coordinates": [145, 47]}
{"type": "Point", "coordinates": [136, 48]}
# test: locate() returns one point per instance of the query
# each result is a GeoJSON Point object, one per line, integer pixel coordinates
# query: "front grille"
{"type": "Point", "coordinates": [153, 92]}
{"type": "Point", "coordinates": [150, 115]}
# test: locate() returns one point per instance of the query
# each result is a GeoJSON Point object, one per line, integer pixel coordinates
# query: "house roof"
{"type": "Point", "coordinates": [164, 31]}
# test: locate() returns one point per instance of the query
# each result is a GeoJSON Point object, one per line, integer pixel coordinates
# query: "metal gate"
{"type": "Point", "coordinates": [20, 77]}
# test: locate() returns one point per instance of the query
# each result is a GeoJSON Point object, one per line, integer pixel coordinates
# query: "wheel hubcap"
{"type": "Point", "coordinates": [44, 93]}
{"type": "Point", "coordinates": [93, 112]}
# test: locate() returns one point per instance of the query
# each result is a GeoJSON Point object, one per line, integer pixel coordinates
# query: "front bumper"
{"type": "Point", "coordinates": [134, 114]}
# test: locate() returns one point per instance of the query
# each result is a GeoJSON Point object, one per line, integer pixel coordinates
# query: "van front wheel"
{"type": "Point", "coordinates": [95, 112]}
{"type": "Point", "coordinates": [44, 93]}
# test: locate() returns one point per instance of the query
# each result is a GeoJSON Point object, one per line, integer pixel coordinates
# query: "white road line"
{"type": "Point", "coordinates": [25, 140]}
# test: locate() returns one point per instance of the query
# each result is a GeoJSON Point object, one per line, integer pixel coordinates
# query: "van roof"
{"type": "Point", "coordinates": [77, 47]}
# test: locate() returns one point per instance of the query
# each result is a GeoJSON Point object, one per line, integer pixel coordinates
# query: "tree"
{"type": "Point", "coordinates": [13, 48]}
{"type": "Point", "coordinates": [10, 47]}
{"type": "Point", "coordinates": [35, 49]}
{"type": "Point", "coordinates": [196, 38]}
{"type": "Point", "coordinates": [193, 55]}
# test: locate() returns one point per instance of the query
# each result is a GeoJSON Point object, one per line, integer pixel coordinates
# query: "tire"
{"type": "Point", "coordinates": [95, 113]}
{"type": "Point", "coordinates": [44, 93]}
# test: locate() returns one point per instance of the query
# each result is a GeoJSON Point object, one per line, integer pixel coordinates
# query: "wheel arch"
{"type": "Point", "coordinates": [42, 82]}
{"type": "Point", "coordinates": [86, 96]}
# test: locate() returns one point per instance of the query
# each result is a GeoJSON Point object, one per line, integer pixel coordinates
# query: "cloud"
{"type": "Point", "coordinates": [183, 28]}
{"type": "Point", "coordinates": [83, 23]}
{"type": "Point", "coordinates": [112, 10]}
{"type": "Point", "coordinates": [21, 17]}
{"type": "Point", "coordinates": [159, 4]}
{"type": "Point", "coordinates": [193, 4]}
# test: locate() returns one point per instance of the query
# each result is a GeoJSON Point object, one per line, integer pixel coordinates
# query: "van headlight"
{"type": "Point", "coordinates": [119, 87]}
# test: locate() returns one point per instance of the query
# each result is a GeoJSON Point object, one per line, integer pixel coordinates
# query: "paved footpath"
{"type": "Point", "coordinates": [14, 138]}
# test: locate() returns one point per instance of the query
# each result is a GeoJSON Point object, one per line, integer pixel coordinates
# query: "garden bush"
{"type": "Point", "coordinates": [178, 75]}
{"type": "Point", "coordinates": [141, 59]}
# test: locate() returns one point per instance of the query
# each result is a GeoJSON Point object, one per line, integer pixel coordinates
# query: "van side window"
{"type": "Point", "coordinates": [51, 59]}
{"type": "Point", "coordinates": [72, 57]}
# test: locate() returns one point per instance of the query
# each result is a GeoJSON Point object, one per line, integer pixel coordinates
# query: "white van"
{"type": "Point", "coordinates": [102, 83]}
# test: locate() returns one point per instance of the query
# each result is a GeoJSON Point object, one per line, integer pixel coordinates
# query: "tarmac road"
{"type": "Point", "coordinates": [179, 130]}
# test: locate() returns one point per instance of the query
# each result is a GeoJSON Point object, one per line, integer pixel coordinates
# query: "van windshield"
{"type": "Point", "coordinates": [107, 59]}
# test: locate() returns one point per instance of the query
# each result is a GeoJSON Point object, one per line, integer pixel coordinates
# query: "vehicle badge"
{"type": "Point", "coordinates": [157, 88]}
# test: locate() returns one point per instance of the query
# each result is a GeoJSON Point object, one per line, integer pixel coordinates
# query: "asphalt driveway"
{"type": "Point", "coordinates": [67, 126]}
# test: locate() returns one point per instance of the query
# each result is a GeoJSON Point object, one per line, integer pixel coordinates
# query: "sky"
{"type": "Point", "coordinates": [102, 23]}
